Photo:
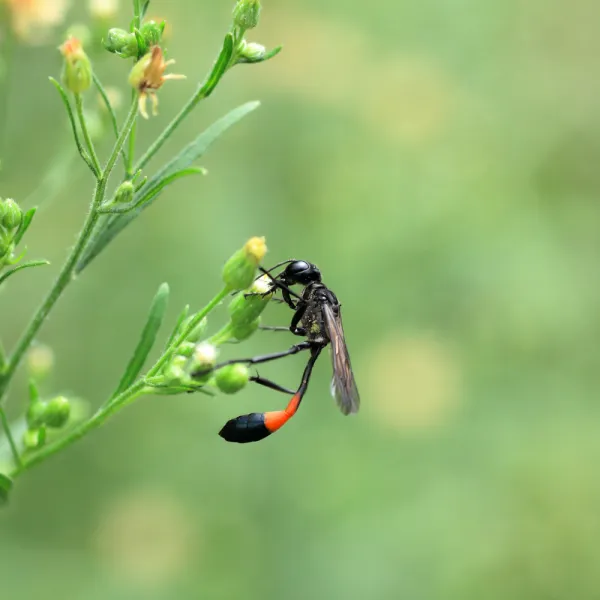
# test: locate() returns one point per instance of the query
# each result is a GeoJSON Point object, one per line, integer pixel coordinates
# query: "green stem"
{"type": "Point", "coordinates": [66, 274]}
{"type": "Point", "coordinates": [86, 133]}
{"type": "Point", "coordinates": [11, 440]}
{"type": "Point", "coordinates": [127, 397]}
{"type": "Point", "coordinates": [131, 154]}
{"type": "Point", "coordinates": [137, 13]}
{"type": "Point", "coordinates": [111, 112]}
{"type": "Point", "coordinates": [164, 359]}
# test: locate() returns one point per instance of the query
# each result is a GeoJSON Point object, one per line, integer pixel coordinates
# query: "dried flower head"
{"type": "Point", "coordinates": [147, 76]}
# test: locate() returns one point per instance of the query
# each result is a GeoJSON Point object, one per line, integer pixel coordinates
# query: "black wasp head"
{"type": "Point", "coordinates": [301, 272]}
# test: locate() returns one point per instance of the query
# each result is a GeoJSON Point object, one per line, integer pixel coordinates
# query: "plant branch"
{"type": "Point", "coordinates": [111, 112]}
{"type": "Point", "coordinates": [9, 437]}
{"type": "Point", "coordinates": [67, 272]}
{"type": "Point", "coordinates": [127, 397]}
{"type": "Point", "coordinates": [86, 134]}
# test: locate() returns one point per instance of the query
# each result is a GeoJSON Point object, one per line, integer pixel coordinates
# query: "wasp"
{"type": "Point", "coordinates": [317, 318]}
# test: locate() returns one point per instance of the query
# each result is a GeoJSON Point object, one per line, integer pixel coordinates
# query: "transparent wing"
{"type": "Point", "coordinates": [343, 386]}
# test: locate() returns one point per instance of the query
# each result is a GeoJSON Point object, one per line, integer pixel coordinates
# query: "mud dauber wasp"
{"type": "Point", "coordinates": [317, 317]}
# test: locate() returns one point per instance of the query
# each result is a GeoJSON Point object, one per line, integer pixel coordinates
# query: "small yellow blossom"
{"type": "Point", "coordinates": [104, 10]}
{"type": "Point", "coordinates": [31, 18]}
{"type": "Point", "coordinates": [147, 76]}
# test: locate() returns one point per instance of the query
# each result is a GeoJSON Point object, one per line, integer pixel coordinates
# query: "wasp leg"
{"type": "Point", "coordinates": [257, 359]}
{"type": "Point", "coordinates": [271, 384]}
{"type": "Point", "coordinates": [257, 426]}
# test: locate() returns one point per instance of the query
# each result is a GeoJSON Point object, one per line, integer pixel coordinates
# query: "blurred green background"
{"type": "Point", "coordinates": [439, 161]}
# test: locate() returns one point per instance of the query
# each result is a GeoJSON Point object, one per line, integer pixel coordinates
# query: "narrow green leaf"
{"type": "Point", "coordinates": [25, 223]}
{"type": "Point", "coordinates": [147, 339]}
{"type": "Point", "coordinates": [219, 68]}
{"type": "Point", "coordinates": [82, 151]}
{"type": "Point", "coordinates": [116, 223]}
{"type": "Point", "coordinates": [27, 265]}
{"type": "Point", "coordinates": [6, 484]}
{"type": "Point", "coordinates": [144, 9]}
{"type": "Point", "coordinates": [177, 329]}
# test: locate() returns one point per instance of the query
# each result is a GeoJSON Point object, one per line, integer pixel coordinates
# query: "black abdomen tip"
{"type": "Point", "coordinates": [244, 429]}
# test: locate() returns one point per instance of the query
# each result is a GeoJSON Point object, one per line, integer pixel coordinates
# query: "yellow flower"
{"type": "Point", "coordinates": [147, 76]}
{"type": "Point", "coordinates": [31, 18]}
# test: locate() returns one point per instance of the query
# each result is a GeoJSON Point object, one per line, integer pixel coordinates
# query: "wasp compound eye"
{"type": "Point", "coordinates": [302, 272]}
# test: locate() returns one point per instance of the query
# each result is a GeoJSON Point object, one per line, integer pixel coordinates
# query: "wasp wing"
{"type": "Point", "coordinates": [343, 386]}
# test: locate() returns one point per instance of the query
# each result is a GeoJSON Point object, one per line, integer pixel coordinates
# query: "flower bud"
{"type": "Point", "coordinates": [58, 411]}
{"type": "Point", "coordinates": [240, 270]}
{"type": "Point", "coordinates": [152, 33]}
{"type": "Point", "coordinates": [242, 331]}
{"type": "Point", "coordinates": [203, 359]}
{"type": "Point", "coordinates": [121, 42]}
{"type": "Point", "coordinates": [186, 349]}
{"type": "Point", "coordinates": [77, 69]}
{"type": "Point", "coordinates": [36, 414]}
{"type": "Point", "coordinates": [6, 248]}
{"type": "Point", "coordinates": [196, 334]}
{"type": "Point", "coordinates": [125, 193]}
{"type": "Point", "coordinates": [246, 14]}
{"type": "Point", "coordinates": [232, 378]}
{"type": "Point", "coordinates": [251, 51]}
{"type": "Point", "coordinates": [175, 373]}
{"type": "Point", "coordinates": [34, 438]}
{"type": "Point", "coordinates": [11, 214]}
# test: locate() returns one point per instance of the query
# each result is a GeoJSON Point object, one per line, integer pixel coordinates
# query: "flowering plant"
{"type": "Point", "coordinates": [49, 425]}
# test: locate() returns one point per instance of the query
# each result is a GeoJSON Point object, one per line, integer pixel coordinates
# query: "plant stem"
{"type": "Point", "coordinates": [186, 332]}
{"type": "Point", "coordinates": [127, 397]}
{"type": "Point", "coordinates": [86, 133]}
{"type": "Point", "coordinates": [67, 272]}
{"type": "Point", "coordinates": [11, 440]}
{"type": "Point", "coordinates": [137, 13]}
{"type": "Point", "coordinates": [111, 112]}
{"type": "Point", "coordinates": [131, 153]}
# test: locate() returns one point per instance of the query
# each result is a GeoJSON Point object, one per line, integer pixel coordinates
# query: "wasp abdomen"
{"type": "Point", "coordinates": [246, 428]}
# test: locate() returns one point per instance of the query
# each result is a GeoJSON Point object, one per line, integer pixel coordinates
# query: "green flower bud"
{"type": "Point", "coordinates": [176, 373]}
{"type": "Point", "coordinates": [198, 331]}
{"type": "Point", "coordinates": [36, 414]}
{"type": "Point", "coordinates": [251, 51]}
{"type": "Point", "coordinates": [240, 270]}
{"type": "Point", "coordinates": [125, 193]}
{"type": "Point", "coordinates": [232, 378]}
{"type": "Point", "coordinates": [152, 33]}
{"type": "Point", "coordinates": [11, 214]}
{"type": "Point", "coordinates": [242, 331]}
{"type": "Point", "coordinates": [246, 14]}
{"type": "Point", "coordinates": [34, 438]}
{"type": "Point", "coordinates": [6, 247]}
{"type": "Point", "coordinates": [58, 411]}
{"type": "Point", "coordinates": [121, 42]}
{"type": "Point", "coordinates": [247, 306]}
{"type": "Point", "coordinates": [77, 69]}
{"type": "Point", "coordinates": [186, 349]}
{"type": "Point", "coordinates": [203, 359]}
